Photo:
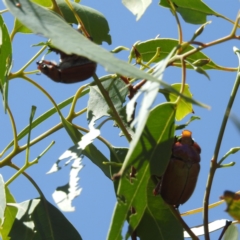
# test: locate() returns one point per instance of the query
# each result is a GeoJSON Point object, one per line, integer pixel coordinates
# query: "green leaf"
{"type": "Point", "coordinates": [148, 49]}
{"type": "Point", "coordinates": [231, 233]}
{"type": "Point", "coordinates": [2, 199]}
{"type": "Point", "coordinates": [19, 27]}
{"type": "Point", "coordinates": [158, 220]}
{"type": "Point", "coordinates": [44, 3]}
{"type": "Point", "coordinates": [90, 151]}
{"type": "Point", "coordinates": [149, 156]}
{"type": "Point", "coordinates": [184, 107]}
{"type": "Point", "coordinates": [5, 60]}
{"type": "Point", "coordinates": [72, 131]}
{"type": "Point", "coordinates": [9, 216]}
{"type": "Point", "coordinates": [38, 219]}
{"type": "Point", "coordinates": [97, 158]}
{"type": "Point", "coordinates": [137, 7]}
{"type": "Point", "coordinates": [97, 106]}
{"type": "Point", "coordinates": [64, 195]}
{"type": "Point", "coordinates": [233, 204]}
{"type": "Point", "coordinates": [94, 21]}
{"type": "Point", "coordinates": [65, 38]}
{"type": "Point", "coordinates": [194, 12]}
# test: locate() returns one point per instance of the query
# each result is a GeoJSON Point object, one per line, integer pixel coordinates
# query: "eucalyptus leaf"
{"type": "Point", "coordinates": [149, 156]}
{"type": "Point", "coordinates": [64, 195]}
{"type": "Point", "coordinates": [233, 204]}
{"type": "Point", "coordinates": [9, 215]}
{"type": "Point", "coordinates": [212, 226]}
{"type": "Point", "coordinates": [194, 12]}
{"type": "Point", "coordinates": [2, 199]}
{"type": "Point", "coordinates": [5, 60]}
{"type": "Point", "coordinates": [94, 21]}
{"type": "Point", "coordinates": [158, 220]}
{"type": "Point", "coordinates": [38, 219]}
{"type": "Point", "coordinates": [97, 106]}
{"type": "Point", "coordinates": [72, 131]}
{"type": "Point", "coordinates": [231, 233]}
{"type": "Point", "coordinates": [147, 50]}
{"type": "Point", "coordinates": [65, 38]}
{"type": "Point", "coordinates": [183, 108]}
{"type": "Point", "coordinates": [137, 7]}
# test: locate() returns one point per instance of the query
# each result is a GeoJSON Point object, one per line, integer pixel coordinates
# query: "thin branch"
{"type": "Point", "coordinates": [214, 164]}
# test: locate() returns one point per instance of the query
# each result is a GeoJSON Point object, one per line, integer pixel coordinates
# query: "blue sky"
{"type": "Point", "coordinates": [95, 204]}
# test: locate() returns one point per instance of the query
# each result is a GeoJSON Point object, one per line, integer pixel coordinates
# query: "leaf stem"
{"type": "Point", "coordinates": [55, 8]}
{"type": "Point", "coordinates": [185, 226]}
{"type": "Point", "coordinates": [180, 35]}
{"type": "Point", "coordinates": [19, 73]}
{"type": "Point", "coordinates": [80, 23]}
{"type": "Point", "coordinates": [231, 36]}
{"type": "Point", "coordinates": [16, 146]}
{"type": "Point", "coordinates": [72, 113]}
{"type": "Point", "coordinates": [183, 80]}
{"type": "Point", "coordinates": [113, 109]}
{"type": "Point", "coordinates": [45, 93]}
{"type": "Point", "coordinates": [28, 177]}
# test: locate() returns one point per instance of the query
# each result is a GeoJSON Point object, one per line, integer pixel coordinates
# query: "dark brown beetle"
{"type": "Point", "coordinates": [180, 177]}
{"type": "Point", "coordinates": [71, 69]}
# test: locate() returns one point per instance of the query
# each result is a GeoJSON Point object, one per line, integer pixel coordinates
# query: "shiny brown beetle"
{"type": "Point", "coordinates": [70, 71]}
{"type": "Point", "coordinates": [180, 177]}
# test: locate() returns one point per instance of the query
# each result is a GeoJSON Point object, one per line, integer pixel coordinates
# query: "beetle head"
{"type": "Point", "coordinates": [50, 69]}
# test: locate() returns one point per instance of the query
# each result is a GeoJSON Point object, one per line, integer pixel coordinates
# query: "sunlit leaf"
{"type": "Point", "coordinates": [38, 219]}
{"type": "Point", "coordinates": [231, 233]}
{"type": "Point", "coordinates": [5, 60]}
{"type": "Point", "coordinates": [212, 226]}
{"type": "Point", "coordinates": [9, 216]}
{"type": "Point", "coordinates": [137, 7]}
{"type": "Point", "coordinates": [64, 195]}
{"type": "Point", "coordinates": [149, 156]}
{"type": "Point", "coordinates": [148, 49]}
{"type": "Point", "coordinates": [194, 12]}
{"type": "Point", "coordinates": [183, 108]}
{"type": "Point", "coordinates": [2, 199]}
{"type": "Point", "coordinates": [233, 204]}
